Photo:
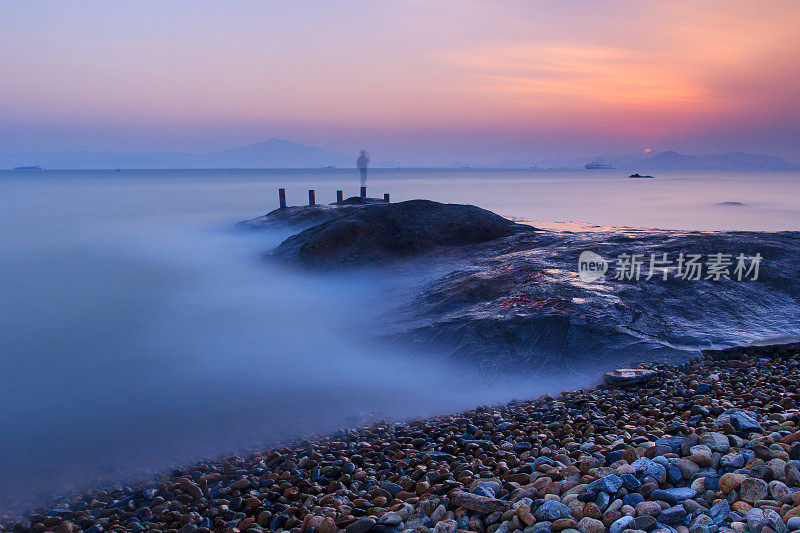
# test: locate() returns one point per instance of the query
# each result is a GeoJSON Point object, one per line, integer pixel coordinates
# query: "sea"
{"type": "Point", "coordinates": [140, 331]}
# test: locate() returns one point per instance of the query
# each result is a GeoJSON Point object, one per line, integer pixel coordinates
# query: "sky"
{"type": "Point", "coordinates": [411, 80]}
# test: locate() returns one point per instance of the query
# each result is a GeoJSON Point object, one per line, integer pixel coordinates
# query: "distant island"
{"type": "Point", "coordinates": [280, 153]}
{"type": "Point", "coordinates": [730, 161]}
{"type": "Point", "coordinates": [669, 160]}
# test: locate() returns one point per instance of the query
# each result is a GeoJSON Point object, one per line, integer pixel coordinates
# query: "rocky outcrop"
{"type": "Point", "coordinates": [379, 233]}
{"type": "Point", "coordinates": [503, 295]}
{"type": "Point", "coordinates": [519, 302]}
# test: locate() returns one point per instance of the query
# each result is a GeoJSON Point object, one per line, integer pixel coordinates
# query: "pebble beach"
{"type": "Point", "coordinates": [710, 445]}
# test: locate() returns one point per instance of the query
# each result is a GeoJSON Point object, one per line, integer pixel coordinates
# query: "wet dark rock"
{"type": "Point", "coordinates": [672, 515]}
{"type": "Point", "coordinates": [720, 512]}
{"type": "Point", "coordinates": [741, 420]}
{"type": "Point", "coordinates": [517, 303]}
{"type": "Point", "coordinates": [794, 453]}
{"type": "Point", "coordinates": [609, 484]}
{"type": "Point", "coordinates": [551, 510]}
{"type": "Point", "coordinates": [674, 495]}
{"type": "Point", "coordinates": [505, 297]}
{"type": "Point", "coordinates": [674, 443]}
{"type": "Point", "coordinates": [648, 468]}
{"type": "Point", "coordinates": [381, 233]}
{"type": "Point", "coordinates": [474, 502]}
{"type": "Point", "coordinates": [361, 525]}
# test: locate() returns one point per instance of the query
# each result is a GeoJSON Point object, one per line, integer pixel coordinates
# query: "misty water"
{"type": "Point", "coordinates": [140, 331]}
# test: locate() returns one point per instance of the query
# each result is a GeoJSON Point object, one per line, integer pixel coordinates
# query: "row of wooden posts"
{"type": "Point", "coordinates": [312, 199]}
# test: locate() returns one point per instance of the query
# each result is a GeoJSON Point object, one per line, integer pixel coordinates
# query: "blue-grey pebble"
{"type": "Point", "coordinates": [632, 499]}
{"type": "Point", "coordinates": [603, 500]}
{"type": "Point", "coordinates": [719, 512]}
{"type": "Point", "coordinates": [620, 525]}
{"type": "Point", "coordinates": [630, 482]}
{"type": "Point", "coordinates": [673, 474]}
{"type": "Point", "coordinates": [550, 511]}
{"type": "Point", "coordinates": [647, 467]}
{"type": "Point", "coordinates": [673, 496]}
{"type": "Point", "coordinates": [672, 515]}
{"type": "Point", "coordinates": [609, 484]}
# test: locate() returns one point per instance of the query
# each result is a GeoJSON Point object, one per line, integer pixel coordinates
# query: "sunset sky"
{"type": "Point", "coordinates": [423, 81]}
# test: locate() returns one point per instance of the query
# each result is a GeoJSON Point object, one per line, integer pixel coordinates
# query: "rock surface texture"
{"type": "Point", "coordinates": [379, 233]}
{"type": "Point", "coordinates": [502, 296]}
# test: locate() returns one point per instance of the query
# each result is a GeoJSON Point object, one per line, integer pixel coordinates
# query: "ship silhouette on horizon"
{"type": "Point", "coordinates": [598, 163]}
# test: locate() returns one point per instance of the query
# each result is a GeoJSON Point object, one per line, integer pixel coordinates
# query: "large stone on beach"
{"type": "Point", "coordinates": [591, 525]}
{"type": "Point", "coordinates": [648, 509]}
{"type": "Point", "coordinates": [524, 513]}
{"type": "Point", "coordinates": [673, 496]}
{"type": "Point", "coordinates": [621, 524]}
{"type": "Point", "coordinates": [383, 232]}
{"type": "Point", "coordinates": [792, 474]}
{"type": "Point", "coordinates": [741, 420]}
{"type": "Point", "coordinates": [648, 467]}
{"type": "Point", "coordinates": [481, 504]}
{"type": "Point", "coordinates": [241, 484]}
{"type": "Point", "coordinates": [755, 520]}
{"type": "Point", "coordinates": [775, 522]}
{"type": "Point", "coordinates": [629, 377]}
{"type": "Point", "coordinates": [792, 513]}
{"type": "Point", "coordinates": [392, 488]}
{"type": "Point", "coordinates": [780, 492]}
{"type": "Point", "coordinates": [720, 511]}
{"type": "Point", "coordinates": [550, 511]}
{"type": "Point", "coordinates": [609, 484]}
{"type": "Point", "coordinates": [730, 482]}
{"type": "Point", "coordinates": [672, 515]}
{"type": "Point", "coordinates": [673, 442]}
{"type": "Point", "coordinates": [644, 523]}
{"type": "Point", "coordinates": [717, 442]}
{"type": "Point", "coordinates": [446, 526]}
{"type": "Point", "coordinates": [687, 468]}
{"type": "Point", "coordinates": [361, 525]}
{"type": "Point", "coordinates": [753, 489]}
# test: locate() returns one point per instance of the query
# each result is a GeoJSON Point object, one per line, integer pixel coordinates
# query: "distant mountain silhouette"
{"type": "Point", "coordinates": [672, 160]}
{"type": "Point", "coordinates": [731, 161]}
{"type": "Point", "coordinates": [280, 153]}
{"type": "Point", "coordinates": [274, 153]}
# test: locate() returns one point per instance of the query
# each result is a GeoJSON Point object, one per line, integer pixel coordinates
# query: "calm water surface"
{"type": "Point", "coordinates": [139, 331]}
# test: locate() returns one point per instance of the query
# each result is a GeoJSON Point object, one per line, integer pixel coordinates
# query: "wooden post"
{"type": "Point", "coordinates": [386, 197]}
{"type": "Point", "coordinates": [311, 197]}
{"type": "Point", "coordinates": [282, 197]}
{"type": "Point", "coordinates": [363, 192]}
{"type": "Point", "coordinates": [339, 197]}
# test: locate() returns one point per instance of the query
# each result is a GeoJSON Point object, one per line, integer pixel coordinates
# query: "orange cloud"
{"type": "Point", "coordinates": [696, 62]}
